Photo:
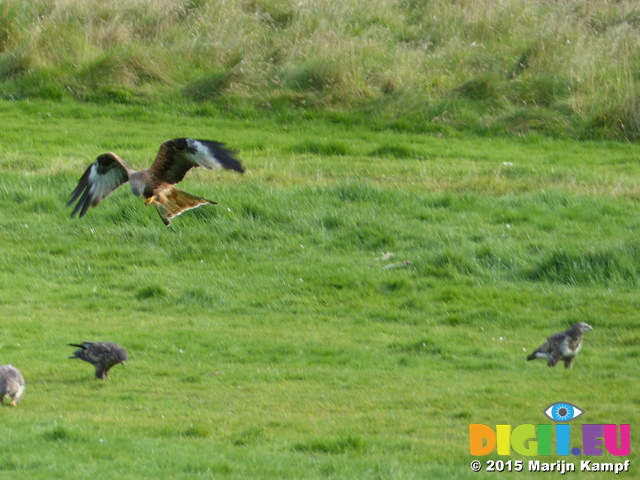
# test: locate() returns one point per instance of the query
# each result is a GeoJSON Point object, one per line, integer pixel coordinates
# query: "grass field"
{"type": "Point", "coordinates": [266, 337]}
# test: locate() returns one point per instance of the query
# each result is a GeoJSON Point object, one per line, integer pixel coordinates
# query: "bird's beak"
{"type": "Point", "coordinates": [123, 363]}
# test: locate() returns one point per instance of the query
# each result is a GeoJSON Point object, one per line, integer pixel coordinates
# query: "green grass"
{"type": "Point", "coordinates": [510, 67]}
{"type": "Point", "coordinates": [266, 338]}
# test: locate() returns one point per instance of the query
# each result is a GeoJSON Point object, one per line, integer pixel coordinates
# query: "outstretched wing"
{"type": "Point", "coordinates": [101, 178]}
{"type": "Point", "coordinates": [176, 157]}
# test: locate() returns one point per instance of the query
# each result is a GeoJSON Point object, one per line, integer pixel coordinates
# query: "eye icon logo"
{"type": "Point", "coordinates": [563, 412]}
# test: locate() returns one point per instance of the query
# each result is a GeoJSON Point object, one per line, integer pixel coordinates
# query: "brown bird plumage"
{"type": "Point", "coordinates": [11, 384]}
{"type": "Point", "coordinates": [102, 355]}
{"type": "Point", "coordinates": [562, 345]}
{"type": "Point", "coordinates": [155, 184]}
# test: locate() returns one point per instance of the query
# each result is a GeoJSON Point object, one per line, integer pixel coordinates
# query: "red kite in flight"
{"type": "Point", "coordinates": [156, 183]}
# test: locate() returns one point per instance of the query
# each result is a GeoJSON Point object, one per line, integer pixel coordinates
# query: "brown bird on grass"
{"type": "Point", "coordinates": [155, 184]}
{"type": "Point", "coordinates": [11, 384]}
{"type": "Point", "coordinates": [562, 345]}
{"type": "Point", "coordinates": [102, 355]}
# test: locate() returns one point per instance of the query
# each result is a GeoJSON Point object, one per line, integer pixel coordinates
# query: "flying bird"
{"type": "Point", "coordinates": [11, 384]}
{"type": "Point", "coordinates": [102, 355]}
{"type": "Point", "coordinates": [562, 345]}
{"type": "Point", "coordinates": [155, 184]}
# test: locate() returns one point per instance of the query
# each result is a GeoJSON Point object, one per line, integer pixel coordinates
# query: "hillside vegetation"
{"type": "Point", "coordinates": [514, 66]}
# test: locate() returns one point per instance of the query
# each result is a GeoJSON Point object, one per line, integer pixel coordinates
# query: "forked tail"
{"type": "Point", "coordinates": [177, 201]}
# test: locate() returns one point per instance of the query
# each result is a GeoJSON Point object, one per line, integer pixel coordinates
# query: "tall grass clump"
{"type": "Point", "coordinates": [559, 68]}
{"type": "Point", "coordinates": [594, 267]}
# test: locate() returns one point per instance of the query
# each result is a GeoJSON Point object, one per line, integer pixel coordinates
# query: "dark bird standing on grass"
{"type": "Point", "coordinates": [11, 384]}
{"type": "Point", "coordinates": [562, 345]}
{"type": "Point", "coordinates": [102, 355]}
{"type": "Point", "coordinates": [156, 184]}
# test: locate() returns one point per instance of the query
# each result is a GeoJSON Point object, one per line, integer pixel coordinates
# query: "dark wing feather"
{"type": "Point", "coordinates": [98, 353]}
{"type": "Point", "coordinates": [101, 178]}
{"type": "Point", "coordinates": [556, 339]}
{"type": "Point", "coordinates": [101, 353]}
{"type": "Point", "coordinates": [89, 352]}
{"type": "Point", "coordinates": [549, 346]}
{"type": "Point", "coordinates": [176, 157]}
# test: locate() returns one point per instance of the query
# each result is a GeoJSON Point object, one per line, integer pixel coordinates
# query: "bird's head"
{"type": "Point", "coordinates": [122, 356]}
{"type": "Point", "coordinates": [138, 183]}
{"type": "Point", "coordinates": [582, 327]}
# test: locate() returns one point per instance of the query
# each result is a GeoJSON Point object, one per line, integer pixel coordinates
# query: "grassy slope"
{"type": "Point", "coordinates": [266, 339]}
{"type": "Point", "coordinates": [509, 67]}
